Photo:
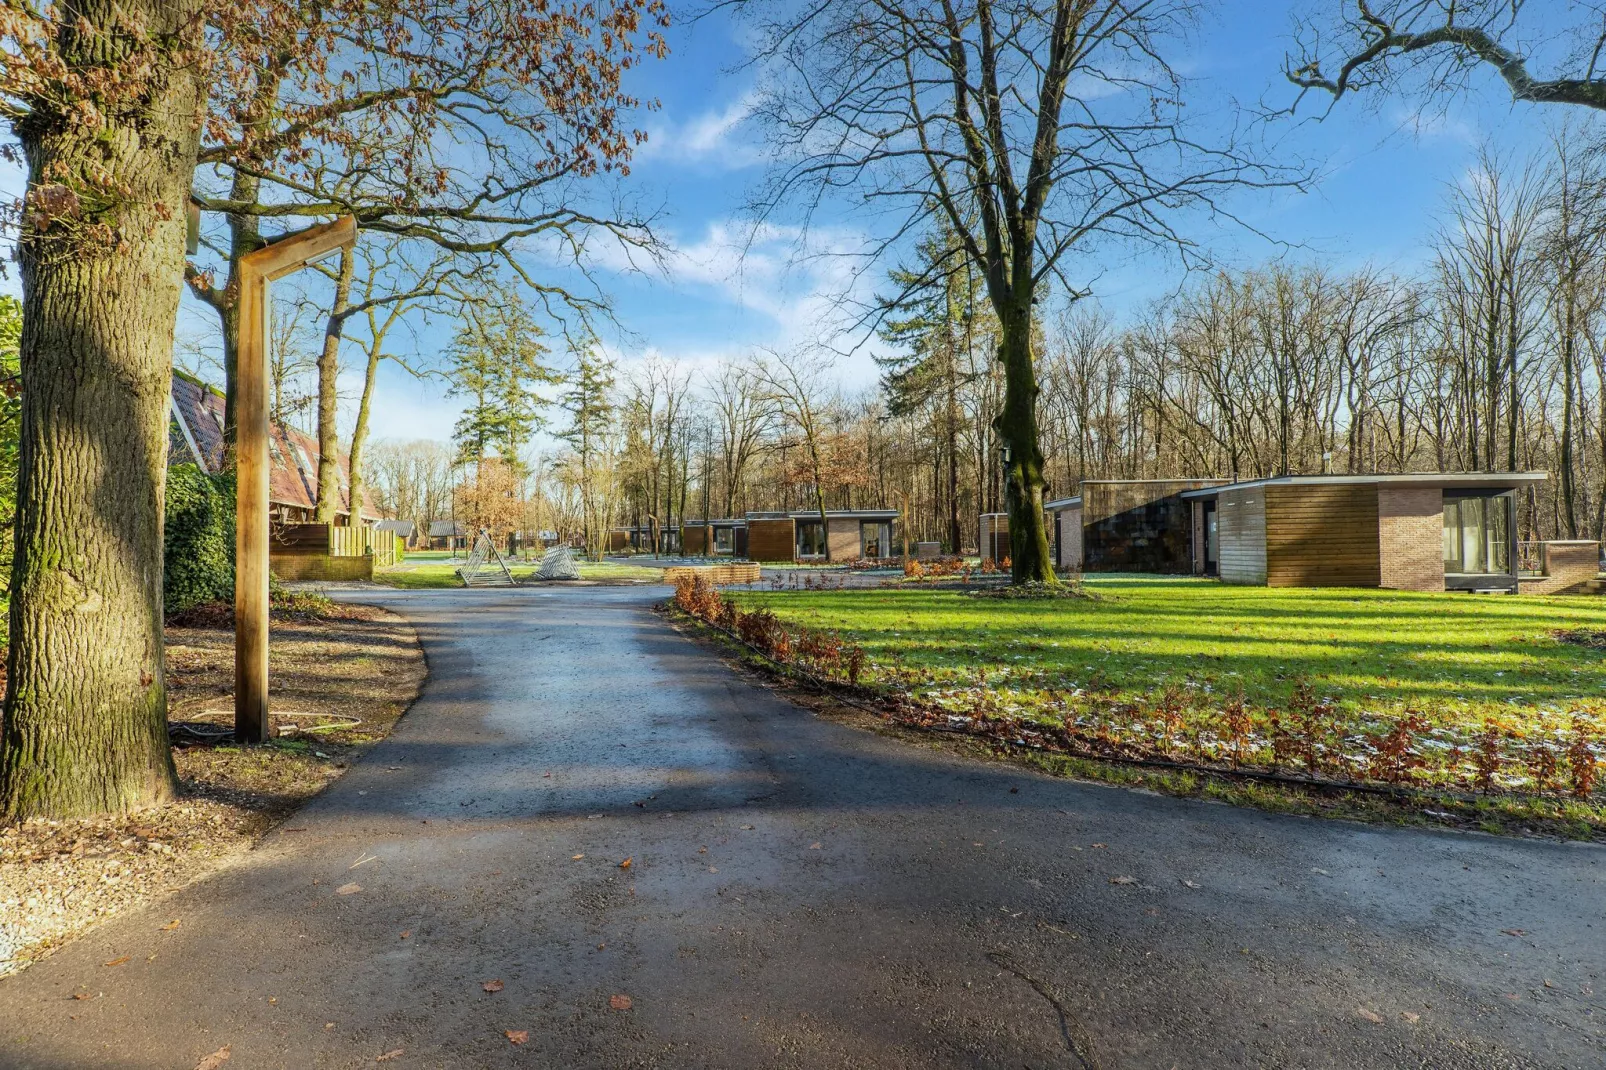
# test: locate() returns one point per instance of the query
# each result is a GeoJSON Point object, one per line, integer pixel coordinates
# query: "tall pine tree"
{"type": "Point", "coordinates": [932, 321]}
{"type": "Point", "coordinates": [497, 363]}
{"type": "Point", "coordinates": [588, 401]}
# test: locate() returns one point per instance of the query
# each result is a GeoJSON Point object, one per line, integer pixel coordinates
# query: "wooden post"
{"type": "Point", "coordinates": [257, 269]}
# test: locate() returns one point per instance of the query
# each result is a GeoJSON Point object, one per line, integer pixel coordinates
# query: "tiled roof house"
{"type": "Point", "coordinates": [195, 436]}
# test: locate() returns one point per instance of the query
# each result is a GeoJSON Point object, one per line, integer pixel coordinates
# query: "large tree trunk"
{"type": "Point", "coordinates": [359, 434]}
{"type": "Point", "coordinates": [328, 402]}
{"type": "Point", "coordinates": [85, 727]}
{"type": "Point", "coordinates": [955, 536]}
{"type": "Point", "coordinates": [1030, 559]}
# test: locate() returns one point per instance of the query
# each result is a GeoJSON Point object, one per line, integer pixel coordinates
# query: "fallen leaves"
{"type": "Point", "coordinates": [815, 846]}
{"type": "Point", "coordinates": [1189, 884]}
{"type": "Point", "coordinates": [170, 926]}
{"type": "Point", "coordinates": [575, 858]}
{"type": "Point", "coordinates": [1515, 932]}
{"type": "Point", "coordinates": [118, 961]}
{"type": "Point", "coordinates": [1371, 1016]}
{"type": "Point", "coordinates": [405, 933]}
{"type": "Point", "coordinates": [83, 995]}
{"type": "Point", "coordinates": [393, 1053]}
{"type": "Point", "coordinates": [1411, 1016]}
{"type": "Point", "coordinates": [215, 1060]}
{"type": "Point", "coordinates": [626, 863]}
{"type": "Point", "coordinates": [348, 889]}
{"type": "Point", "coordinates": [492, 986]}
{"type": "Point", "coordinates": [516, 1036]}
{"type": "Point", "coordinates": [1123, 880]}
{"type": "Point", "coordinates": [620, 1003]}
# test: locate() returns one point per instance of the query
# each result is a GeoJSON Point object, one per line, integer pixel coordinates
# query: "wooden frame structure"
{"type": "Point", "coordinates": [257, 270]}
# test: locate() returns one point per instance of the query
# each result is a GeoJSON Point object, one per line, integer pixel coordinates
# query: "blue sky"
{"type": "Point", "coordinates": [1384, 171]}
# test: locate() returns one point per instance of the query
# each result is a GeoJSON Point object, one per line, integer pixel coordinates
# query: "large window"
{"type": "Point", "coordinates": [724, 540]}
{"type": "Point", "coordinates": [1477, 534]}
{"type": "Point", "coordinates": [872, 539]}
{"type": "Point", "coordinates": [810, 538]}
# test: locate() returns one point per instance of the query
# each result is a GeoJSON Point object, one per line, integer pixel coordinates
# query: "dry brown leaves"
{"type": "Point", "coordinates": [57, 878]}
{"type": "Point", "coordinates": [215, 1060]}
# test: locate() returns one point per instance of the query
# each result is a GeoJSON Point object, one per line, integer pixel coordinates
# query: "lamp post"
{"type": "Point", "coordinates": [257, 269]}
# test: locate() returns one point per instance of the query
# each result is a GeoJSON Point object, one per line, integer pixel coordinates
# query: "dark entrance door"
{"type": "Point", "coordinates": [1212, 540]}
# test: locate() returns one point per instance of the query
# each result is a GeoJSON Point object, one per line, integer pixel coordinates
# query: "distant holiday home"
{"type": "Point", "coordinates": [1124, 525]}
{"type": "Point", "coordinates": [1432, 531]}
{"type": "Point", "coordinates": [795, 535]}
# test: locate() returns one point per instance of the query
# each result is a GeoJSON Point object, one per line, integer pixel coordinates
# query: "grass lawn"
{"type": "Point", "coordinates": [1457, 657]}
{"type": "Point", "coordinates": [1473, 700]}
{"type": "Point", "coordinates": [416, 575]}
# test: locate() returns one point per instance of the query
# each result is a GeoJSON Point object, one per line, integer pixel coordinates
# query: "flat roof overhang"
{"type": "Point", "coordinates": [830, 514]}
{"type": "Point", "coordinates": [1443, 480]}
{"type": "Point", "coordinates": [1063, 503]}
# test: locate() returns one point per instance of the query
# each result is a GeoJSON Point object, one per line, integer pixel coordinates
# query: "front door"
{"type": "Point", "coordinates": [1212, 539]}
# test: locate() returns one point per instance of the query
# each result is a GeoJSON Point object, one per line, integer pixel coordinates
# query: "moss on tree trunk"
{"type": "Point", "coordinates": [85, 727]}
{"type": "Point", "coordinates": [1016, 423]}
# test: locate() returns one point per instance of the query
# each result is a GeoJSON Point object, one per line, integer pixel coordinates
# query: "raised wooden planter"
{"type": "Point", "coordinates": [718, 575]}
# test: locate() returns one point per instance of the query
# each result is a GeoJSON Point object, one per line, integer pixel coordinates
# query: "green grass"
{"type": "Point", "coordinates": [1112, 669]}
{"type": "Point", "coordinates": [1457, 657]}
{"type": "Point", "coordinates": [414, 575]}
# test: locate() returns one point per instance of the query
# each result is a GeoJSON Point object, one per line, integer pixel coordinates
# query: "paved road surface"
{"type": "Point", "coordinates": [803, 894]}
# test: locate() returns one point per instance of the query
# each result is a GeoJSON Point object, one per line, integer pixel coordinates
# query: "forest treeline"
{"type": "Point", "coordinates": [1492, 357]}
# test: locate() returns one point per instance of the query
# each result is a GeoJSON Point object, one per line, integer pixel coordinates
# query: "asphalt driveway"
{"type": "Point", "coordinates": [802, 894]}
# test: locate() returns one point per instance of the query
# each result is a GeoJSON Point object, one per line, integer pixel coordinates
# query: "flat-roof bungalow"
{"type": "Point", "coordinates": [850, 534]}
{"type": "Point", "coordinates": [639, 539]}
{"type": "Point", "coordinates": [1124, 525]}
{"type": "Point", "coordinates": [725, 537]}
{"type": "Point", "coordinates": [1419, 532]}
{"type": "Point", "coordinates": [794, 535]}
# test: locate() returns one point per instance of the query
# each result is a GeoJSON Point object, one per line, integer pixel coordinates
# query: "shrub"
{"type": "Point", "coordinates": [1581, 759]}
{"type": "Point", "coordinates": [198, 541]}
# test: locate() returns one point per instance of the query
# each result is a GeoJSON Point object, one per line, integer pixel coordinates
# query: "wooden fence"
{"type": "Point", "coordinates": [386, 547]}
{"type": "Point", "coordinates": [718, 575]}
{"type": "Point", "coordinates": [329, 552]}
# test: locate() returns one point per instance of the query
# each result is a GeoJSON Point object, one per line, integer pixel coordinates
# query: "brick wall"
{"type": "Point", "coordinates": [1410, 535]}
{"type": "Point", "coordinates": [1568, 567]}
{"type": "Point", "coordinates": [843, 536]}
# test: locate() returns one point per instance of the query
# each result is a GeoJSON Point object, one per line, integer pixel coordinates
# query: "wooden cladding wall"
{"type": "Point", "coordinates": [1241, 536]}
{"type": "Point", "coordinates": [771, 540]}
{"type": "Point", "coordinates": [694, 539]}
{"type": "Point", "coordinates": [1322, 536]}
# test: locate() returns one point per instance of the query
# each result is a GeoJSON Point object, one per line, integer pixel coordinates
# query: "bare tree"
{"type": "Point", "coordinates": [968, 107]}
{"type": "Point", "coordinates": [1436, 45]}
{"type": "Point", "coordinates": [742, 418]}
{"type": "Point", "coordinates": [797, 384]}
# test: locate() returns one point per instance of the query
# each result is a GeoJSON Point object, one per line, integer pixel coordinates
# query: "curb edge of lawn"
{"type": "Point", "coordinates": [1335, 802]}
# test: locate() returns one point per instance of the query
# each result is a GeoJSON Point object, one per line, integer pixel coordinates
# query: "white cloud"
{"type": "Point", "coordinates": [710, 137]}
